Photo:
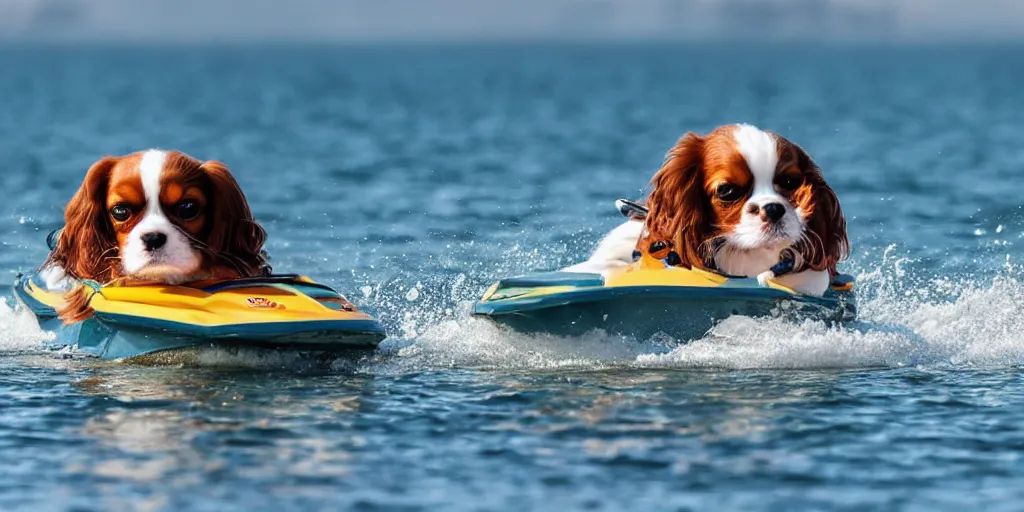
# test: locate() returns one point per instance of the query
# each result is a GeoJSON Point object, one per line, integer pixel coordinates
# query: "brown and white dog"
{"type": "Point", "coordinates": [737, 200]}
{"type": "Point", "coordinates": [154, 216]}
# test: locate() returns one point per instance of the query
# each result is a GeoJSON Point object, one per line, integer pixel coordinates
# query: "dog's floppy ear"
{"type": "Point", "coordinates": [677, 206]}
{"type": "Point", "coordinates": [76, 305]}
{"type": "Point", "coordinates": [828, 243]}
{"type": "Point", "coordinates": [87, 247]}
{"type": "Point", "coordinates": [236, 239]}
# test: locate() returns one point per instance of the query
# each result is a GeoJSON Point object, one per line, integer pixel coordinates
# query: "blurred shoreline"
{"type": "Point", "coordinates": [723, 46]}
{"type": "Point", "coordinates": [457, 21]}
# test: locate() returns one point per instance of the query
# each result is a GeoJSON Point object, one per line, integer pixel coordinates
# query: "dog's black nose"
{"type": "Point", "coordinates": [773, 211]}
{"type": "Point", "coordinates": [154, 241]}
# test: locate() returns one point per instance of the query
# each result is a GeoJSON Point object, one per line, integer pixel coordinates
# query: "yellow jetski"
{"type": "Point", "coordinates": [650, 297]}
{"type": "Point", "coordinates": [279, 311]}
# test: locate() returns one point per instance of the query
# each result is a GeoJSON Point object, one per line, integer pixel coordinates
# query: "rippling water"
{"type": "Point", "coordinates": [411, 178]}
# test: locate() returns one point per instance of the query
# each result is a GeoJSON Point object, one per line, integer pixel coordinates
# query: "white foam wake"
{"type": "Point", "coordinates": [475, 343]}
{"type": "Point", "coordinates": [938, 323]}
{"type": "Point", "coordinates": [19, 330]}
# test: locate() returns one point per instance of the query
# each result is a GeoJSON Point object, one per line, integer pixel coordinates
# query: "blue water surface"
{"type": "Point", "coordinates": [412, 177]}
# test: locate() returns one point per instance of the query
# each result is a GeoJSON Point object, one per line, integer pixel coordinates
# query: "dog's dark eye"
{"type": "Point", "coordinates": [121, 212]}
{"type": "Point", "coordinates": [728, 192]}
{"type": "Point", "coordinates": [187, 210]}
{"type": "Point", "coordinates": [789, 182]}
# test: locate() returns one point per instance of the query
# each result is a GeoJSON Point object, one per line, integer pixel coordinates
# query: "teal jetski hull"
{"type": "Point", "coordinates": [685, 307]}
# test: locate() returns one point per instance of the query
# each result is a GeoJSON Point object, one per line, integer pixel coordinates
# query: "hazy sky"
{"type": "Point", "coordinates": [390, 20]}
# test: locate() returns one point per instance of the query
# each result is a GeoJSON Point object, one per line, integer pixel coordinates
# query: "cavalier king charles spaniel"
{"type": "Point", "coordinates": [739, 201]}
{"type": "Point", "coordinates": [154, 216]}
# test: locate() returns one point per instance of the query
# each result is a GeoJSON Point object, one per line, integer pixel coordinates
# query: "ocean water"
{"type": "Point", "coordinates": [412, 177]}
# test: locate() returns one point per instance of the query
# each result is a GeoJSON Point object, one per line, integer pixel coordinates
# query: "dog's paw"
{"type": "Point", "coordinates": [764, 278]}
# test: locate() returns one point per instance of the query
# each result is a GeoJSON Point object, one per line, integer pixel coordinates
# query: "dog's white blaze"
{"type": "Point", "coordinates": [151, 167]}
{"type": "Point", "coordinates": [759, 150]}
{"type": "Point", "coordinates": [750, 249]}
{"type": "Point", "coordinates": [176, 257]}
